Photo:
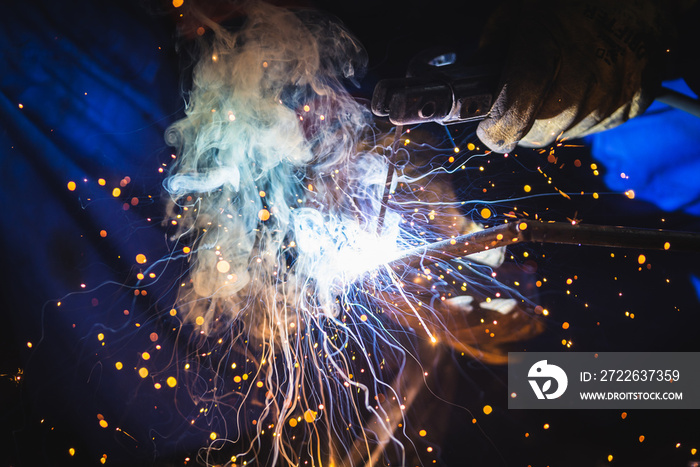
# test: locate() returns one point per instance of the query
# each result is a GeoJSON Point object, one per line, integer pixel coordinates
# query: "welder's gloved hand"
{"type": "Point", "coordinates": [573, 68]}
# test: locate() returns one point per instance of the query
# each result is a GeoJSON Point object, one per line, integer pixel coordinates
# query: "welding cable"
{"type": "Point", "coordinates": [679, 101]}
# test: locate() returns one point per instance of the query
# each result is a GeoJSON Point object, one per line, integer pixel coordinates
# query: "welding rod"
{"type": "Point", "coordinates": [391, 158]}
{"type": "Point", "coordinates": [528, 231]}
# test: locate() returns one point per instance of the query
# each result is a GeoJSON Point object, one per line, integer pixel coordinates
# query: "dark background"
{"type": "Point", "coordinates": [98, 86]}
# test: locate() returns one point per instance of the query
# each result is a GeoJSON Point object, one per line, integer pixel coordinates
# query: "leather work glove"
{"type": "Point", "coordinates": [573, 68]}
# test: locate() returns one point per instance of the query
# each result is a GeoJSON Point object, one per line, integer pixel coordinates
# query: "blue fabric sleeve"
{"type": "Point", "coordinates": [656, 154]}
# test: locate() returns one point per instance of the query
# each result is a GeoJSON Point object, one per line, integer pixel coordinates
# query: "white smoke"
{"type": "Point", "coordinates": [269, 147]}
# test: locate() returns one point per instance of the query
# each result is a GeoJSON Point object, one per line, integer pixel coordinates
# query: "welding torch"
{"type": "Point", "coordinates": [439, 89]}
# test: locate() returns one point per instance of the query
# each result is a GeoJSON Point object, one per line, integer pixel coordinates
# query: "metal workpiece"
{"type": "Point", "coordinates": [529, 231]}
